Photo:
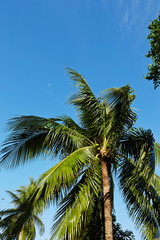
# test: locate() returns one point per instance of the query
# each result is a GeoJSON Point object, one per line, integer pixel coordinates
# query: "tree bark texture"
{"type": "Point", "coordinates": [107, 203]}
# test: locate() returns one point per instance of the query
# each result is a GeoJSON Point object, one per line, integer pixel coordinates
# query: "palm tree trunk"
{"type": "Point", "coordinates": [18, 237]}
{"type": "Point", "coordinates": [107, 203]}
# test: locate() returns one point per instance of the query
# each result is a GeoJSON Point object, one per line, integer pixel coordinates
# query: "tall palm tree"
{"type": "Point", "coordinates": [102, 143]}
{"type": "Point", "coordinates": [26, 229]}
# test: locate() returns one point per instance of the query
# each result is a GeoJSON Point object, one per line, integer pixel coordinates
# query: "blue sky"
{"type": "Point", "coordinates": [105, 41]}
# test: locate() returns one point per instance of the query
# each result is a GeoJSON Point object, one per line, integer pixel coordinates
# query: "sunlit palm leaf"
{"type": "Point", "coordinates": [157, 153]}
{"type": "Point", "coordinates": [28, 231]}
{"type": "Point", "coordinates": [59, 179]}
{"type": "Point", "coordinates": [72, 214]}
{"type": "Point", "coordinates": [156, 183]}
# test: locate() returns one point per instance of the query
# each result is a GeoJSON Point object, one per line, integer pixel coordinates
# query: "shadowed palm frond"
{"type": "Point", "coordinates": [43, 137]}
{"type": "Point", "coordinates": [21, 147]}
{"type": "Point", "coordinates": [141, 198]}
{"type": "Point", "coordinates": [93, 229]}
{"type": "Point", "coordinates": [136, 141]}
{"type": "Point", "coordinates": [119, 102]}
{"type": "Point", "coordinates": [26, 140]}
{"type": "Point", "coordinates": [137, 184]}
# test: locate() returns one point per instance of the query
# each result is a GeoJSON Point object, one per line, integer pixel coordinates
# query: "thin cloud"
{"type": "Point", "coordinates": [134, 14]}
{"type": "Point", "coordinates": [125, 19]}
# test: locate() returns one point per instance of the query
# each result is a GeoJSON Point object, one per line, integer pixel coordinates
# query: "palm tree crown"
{"type": "Point", "coordinates": [104, 142]}
{"type": "Point", "coordinates": [16, 225]}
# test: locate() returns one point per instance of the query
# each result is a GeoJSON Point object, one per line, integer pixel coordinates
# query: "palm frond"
{"type": "Point", "coordinates": [59, 179]}
{"type": "Point", "coordinates": [32, 136]}
{"type": "Point", "coordinates": [70, 123]}
{"type": "Point", "coordinates": [87, 105]}
{"type": "Point", "coordinates": [73, 211]}
{"type": "Point", "coordinates": [70, 216]}
{"type": "Point", "coordinates": [157, 153]}
{"type": "Point", "coordinates": [62, 140]}
{"type": "Point", "coordinates": [7, 212]}
{"type": "Point", "coordinates": [93, 229]}
{"type": "Point", "coordinates": [136, 141]}
{"type": "Point", "coordinates": [15, 199]}
{"type": "Point", "coordinates": [141, 198]}
{"type": "Point", "coordinates": [119, 102]}
{"type": "Point", "coordinates": [156, 183]}
{"type": "Point", "coordinates": [22, 146]}
{"type": "Point", "coordinates": [39, 224]}
{"type": "Point", "coordinates": [28, 231]}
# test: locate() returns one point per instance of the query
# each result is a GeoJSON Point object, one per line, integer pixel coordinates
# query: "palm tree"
{"type": "Point", "coordinates": [102, 144]}
{"type": "Point", "coordinates": [10, 217]}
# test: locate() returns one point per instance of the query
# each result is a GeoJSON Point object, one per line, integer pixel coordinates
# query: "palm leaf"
{"type": "Point", "coordinates": [39, 224]}
{"type": "Point", "coordinates": [141, 198]}
{"type": "Point", "coordinates": [136, 141]}
{"type": "Point", "coordinates": [72, 214]}
{"type": "Point", "coordinates": [62, 140]}
{"type": "Point", "coordinates": [15, 199]}
{"type": "Point", "coordinates": [156, 183]}
{"type": "Point", "coordinates": [157, 153]}
{"type": "Point", "coordinates": [119, 101]}
{"type": "Point", "coordinates": [70, 123]}
{"type": "Point", "coordinates": [87, 105]}
{"type": "Point", "coordinates": [33, 136]}
{"type": "Point", "coordinates": [28, 231]}
{"type": "Point", "coordinates": [59, 179]}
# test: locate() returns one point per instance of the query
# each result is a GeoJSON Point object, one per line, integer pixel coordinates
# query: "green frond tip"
{"type": "Point", "coordinates": [78, 80]}
{"type": "Point", "coordinates": [113, 95]}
